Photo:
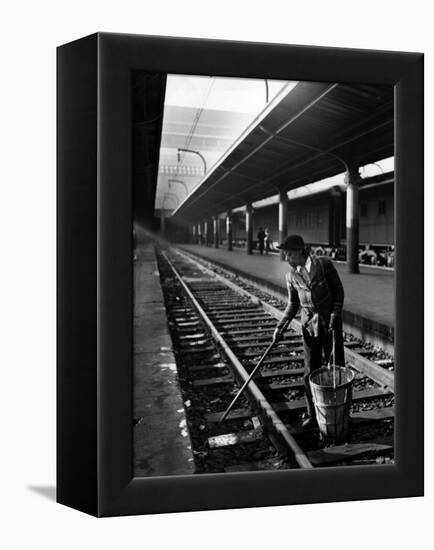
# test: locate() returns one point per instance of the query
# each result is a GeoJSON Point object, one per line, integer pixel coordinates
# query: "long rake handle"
{"type": "Point", "coordinates": [333, 353]}
{"type": "Point", "coordinates": [244, 386]}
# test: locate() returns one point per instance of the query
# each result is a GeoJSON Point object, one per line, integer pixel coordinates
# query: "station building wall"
{"type": "Point", "coordinates": [321, 218]}
{"type": "Point", "coordinates": [310, 217]}
{"type": "Point", "coordinates": [238, 226]}
{"type": "Point", "coordinates": [377, 215]}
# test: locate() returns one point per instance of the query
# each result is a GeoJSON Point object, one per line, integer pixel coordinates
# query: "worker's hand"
{"type": "Point", "coordinates": [277, 334]}
{"type": "Point", "coordinates": [335, 321]}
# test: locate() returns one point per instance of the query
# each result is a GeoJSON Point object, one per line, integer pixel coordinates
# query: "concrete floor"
{"type": "Point", "coordinates": [162, 443]}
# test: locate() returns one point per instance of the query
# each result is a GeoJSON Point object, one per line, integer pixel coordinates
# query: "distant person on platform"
{"type": "Point", "coordinates": [267, 241]}
{"type": "Point", "coordinates": [261, 239]}
{"type": "Point", "coordinates": [314, 285]}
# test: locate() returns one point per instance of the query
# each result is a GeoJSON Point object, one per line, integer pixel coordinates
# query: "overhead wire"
{"type": "Point", "coordinates": [196, 119]}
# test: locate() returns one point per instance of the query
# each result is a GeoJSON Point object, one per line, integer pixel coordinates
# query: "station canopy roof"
{"type": "Point", "coordinates": [307, 133]}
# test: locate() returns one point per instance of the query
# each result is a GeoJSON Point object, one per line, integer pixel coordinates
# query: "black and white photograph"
{"type": "Point", "coordinates": [264, 255]}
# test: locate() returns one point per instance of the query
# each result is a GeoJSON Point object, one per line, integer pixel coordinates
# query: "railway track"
{"type": "Point", "coordinates": [220, 329]}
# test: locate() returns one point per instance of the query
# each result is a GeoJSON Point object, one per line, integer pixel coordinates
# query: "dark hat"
{"type": "Point", "coordinates": [293, 242]}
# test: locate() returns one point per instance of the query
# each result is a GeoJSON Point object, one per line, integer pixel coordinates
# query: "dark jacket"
{"type": "Point", "coordinates": [323, 296]}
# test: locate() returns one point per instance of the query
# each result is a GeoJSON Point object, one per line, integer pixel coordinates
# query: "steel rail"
{"type": "Point", "coordinates": [260, 400]}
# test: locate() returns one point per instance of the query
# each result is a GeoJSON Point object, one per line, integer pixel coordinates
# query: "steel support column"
{"type": "Point", "coordinates": [283, 219]}
{"type": "Point", "coordinates": [205, 231]}
{"type": "Point", "coordinates": [335, 217]}
{"type": "Point", "coordinates": [162, 222]}
{"type": "Point", "coordinates": [249, 228]}
{"type": "Point", "coordinates": [229, 230]}
{"type": "Point", "coordinates": [216, 231]}
{"type": "Point", "coordinates": [352, 180]}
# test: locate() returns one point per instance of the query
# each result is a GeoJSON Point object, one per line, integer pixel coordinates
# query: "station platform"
{"type": "Point", "coordinates": [369, 307]}
{"type": "Point", "coordinates": [162, 444]}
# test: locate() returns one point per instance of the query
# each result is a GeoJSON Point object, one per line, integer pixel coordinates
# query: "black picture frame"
{"type": "Point", "coordinates": [95, 274]}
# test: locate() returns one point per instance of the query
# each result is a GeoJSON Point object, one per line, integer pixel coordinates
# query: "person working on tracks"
{"type": "Point", "coordinates": [314, 284]}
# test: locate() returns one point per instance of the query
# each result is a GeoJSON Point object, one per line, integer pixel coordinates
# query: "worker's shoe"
{"type": "Point", "coordinates": [309, 422]}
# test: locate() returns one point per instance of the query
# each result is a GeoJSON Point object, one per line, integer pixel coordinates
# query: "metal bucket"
{"type": "Point", "coordinates": [332, 393]}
